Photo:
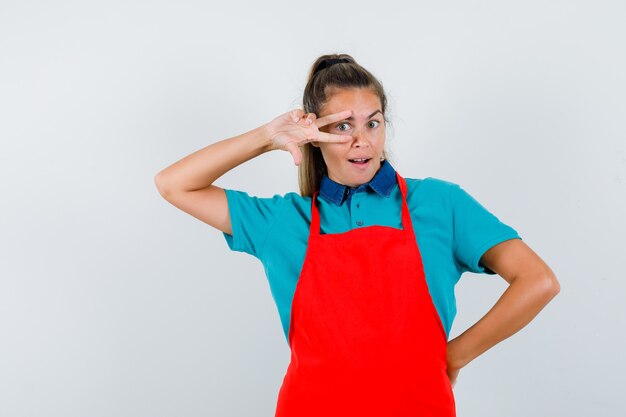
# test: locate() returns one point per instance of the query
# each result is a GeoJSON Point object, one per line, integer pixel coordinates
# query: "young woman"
{"type": "Point", "coordinates": [362, 263]}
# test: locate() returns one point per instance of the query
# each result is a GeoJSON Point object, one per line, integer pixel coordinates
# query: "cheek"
{"type": "Point", "coordinates": [332, 153]}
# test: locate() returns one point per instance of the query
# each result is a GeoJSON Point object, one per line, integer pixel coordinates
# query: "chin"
{"type": "Point", "coordinates": [364, 177]}
{"type": "Point", "coordinates": [353, 178]}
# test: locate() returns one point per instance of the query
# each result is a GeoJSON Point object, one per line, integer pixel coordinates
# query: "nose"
{"type": "Point", "coordinates": [360, 139]}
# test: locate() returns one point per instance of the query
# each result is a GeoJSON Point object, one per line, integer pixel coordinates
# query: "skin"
{"type": "Point", "coordinates": [532, 284]}
{"type": "Point", "coordinates": [188, 185]}
{"type": "Point", "coordinates": [367, 132]}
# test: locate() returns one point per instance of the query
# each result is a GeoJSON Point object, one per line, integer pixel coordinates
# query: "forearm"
{"type": "Point", "coordinates": [201, 168]}
{"type": "Point", "coordinates": [519, 304]}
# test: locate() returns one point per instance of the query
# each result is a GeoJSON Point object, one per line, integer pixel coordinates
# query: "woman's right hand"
{"type": "Point", "coordinates": [293, 129]}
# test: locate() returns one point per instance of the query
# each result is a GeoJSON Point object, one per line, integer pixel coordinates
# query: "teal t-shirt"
{"type": "Point", "coordinates": [452, 229]}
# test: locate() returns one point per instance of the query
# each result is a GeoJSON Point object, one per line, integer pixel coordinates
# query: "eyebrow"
{"type": "Point", "coordinates": [352, 118]}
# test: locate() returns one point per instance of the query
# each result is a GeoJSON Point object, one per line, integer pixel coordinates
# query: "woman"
{"type": "Point", "coordinates": [362, 263]}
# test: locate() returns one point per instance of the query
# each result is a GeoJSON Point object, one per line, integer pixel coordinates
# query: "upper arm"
{"type": "Point", "coordinates": [514, 258]}
{"type": "Point", "coordinates": [475, 230]}
{"type": "Point", "coordinates": [244, 220]}
{"type": "Point", "coordinates": [209, 205]}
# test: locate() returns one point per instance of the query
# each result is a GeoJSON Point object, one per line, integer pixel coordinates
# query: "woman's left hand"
{"type": "Point", "coordinates": [453, 373]}
{"type": "Point", "coordinates": [453, 364]}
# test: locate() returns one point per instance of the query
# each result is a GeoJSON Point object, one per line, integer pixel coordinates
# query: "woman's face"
{"type": "Point", "coordinates": [366, 125]}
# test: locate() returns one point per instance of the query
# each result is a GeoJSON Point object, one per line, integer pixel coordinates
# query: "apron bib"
{"type": "Point", "coordinates": [365, 337]}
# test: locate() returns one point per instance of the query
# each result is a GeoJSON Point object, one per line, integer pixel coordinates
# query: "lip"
{"type": "Point", "coordinates": [361, 167]}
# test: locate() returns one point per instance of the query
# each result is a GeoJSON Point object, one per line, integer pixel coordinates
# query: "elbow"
{"type": "Point", "coordinates": [551, 285]}
{"type": "Point", "coordinates": [160, 184]}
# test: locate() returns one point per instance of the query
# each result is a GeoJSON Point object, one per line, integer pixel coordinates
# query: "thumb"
{"type": "Point", "coordinates": [295, 152]}
{"type": "Point", "coordinates": [296, 114]}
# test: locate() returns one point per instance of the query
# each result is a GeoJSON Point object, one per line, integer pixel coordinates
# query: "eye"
{"type": "Point", "coordinates": [341, 124]}
{"type": "Point", "coordinates": [375, 121]}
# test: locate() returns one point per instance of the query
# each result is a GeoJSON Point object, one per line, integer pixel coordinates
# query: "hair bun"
{"type": "Point", "coordinates": [327, 63]}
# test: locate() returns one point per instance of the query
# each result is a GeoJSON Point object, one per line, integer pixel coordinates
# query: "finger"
{"type": "Point", "coordinates": [295, 152]}
{"type": "Point", "coordinates": [323, 121]}
{"type": "Point", "coordinates": [329, 137]}
{"type": "Point", "coordinates": [309, 118]}
{"type": "Point", "coordinates": [296, 114]}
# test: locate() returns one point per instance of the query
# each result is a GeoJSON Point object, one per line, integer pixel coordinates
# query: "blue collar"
{"type": "Point", "coordinates": [381, 183]}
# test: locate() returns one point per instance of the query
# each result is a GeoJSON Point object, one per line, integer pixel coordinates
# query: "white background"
{"type": "Point", "coordinates": [115, 303]}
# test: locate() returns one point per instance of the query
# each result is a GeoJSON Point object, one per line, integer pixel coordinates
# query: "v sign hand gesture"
{"type": "Point", "coordinates": [293, 129]}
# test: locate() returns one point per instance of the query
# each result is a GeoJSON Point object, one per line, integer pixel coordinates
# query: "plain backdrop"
{"type": "Point", "coordinates": [115, 303]}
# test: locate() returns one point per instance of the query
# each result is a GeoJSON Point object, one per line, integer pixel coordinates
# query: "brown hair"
{"type": "Point", "coordinates": [331, 71]}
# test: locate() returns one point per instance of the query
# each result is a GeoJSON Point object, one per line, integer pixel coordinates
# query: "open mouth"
{"type": "Point", "coordinates": [360, 161]}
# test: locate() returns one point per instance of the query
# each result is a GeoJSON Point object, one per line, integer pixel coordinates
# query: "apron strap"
{"type": "Point", "coordinates": [407, 225]}
{"type": "Point", "coordinates": [315, 217]}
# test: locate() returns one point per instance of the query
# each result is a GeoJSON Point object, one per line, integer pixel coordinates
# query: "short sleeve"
{"type": "Point", "coordinates": [251, 219]}
{"type": "Point", "coordinates": [475, 230]}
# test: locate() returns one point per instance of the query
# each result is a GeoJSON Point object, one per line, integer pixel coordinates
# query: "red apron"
{"type": "Point", "coordinates": [365, 337]}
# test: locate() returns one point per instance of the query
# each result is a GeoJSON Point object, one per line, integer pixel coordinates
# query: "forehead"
{"type": "Point", "coordinates": [362, 101]}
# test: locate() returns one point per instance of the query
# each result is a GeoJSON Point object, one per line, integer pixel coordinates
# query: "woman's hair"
{"type": "Point", "coordinates": [330, 72]}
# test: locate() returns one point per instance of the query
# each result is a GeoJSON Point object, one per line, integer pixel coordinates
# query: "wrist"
{"type": "Point", "coordinates": [457, 355]}
{"type": "Point", "coordinates": [264, 137]}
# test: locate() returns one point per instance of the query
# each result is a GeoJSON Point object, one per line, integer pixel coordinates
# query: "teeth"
{"type": "Point", "coordinates": [360, 159]}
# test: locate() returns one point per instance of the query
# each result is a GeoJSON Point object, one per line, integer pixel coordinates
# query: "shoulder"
{"type": "Point", "coordinates": [431, 183]}
{"type": "Point", "coordinates": [294, 199]}
{"type": "Point", "coordinates": [431, 189]}
{"type": "Point", "coordinates": [290, 198]}
{"type": "Point", "coordinates": [243, 203]}
{"type": "Point", "coordinates": [254, 217]}
{"type": "Point", "coordinates": [296, 206]}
